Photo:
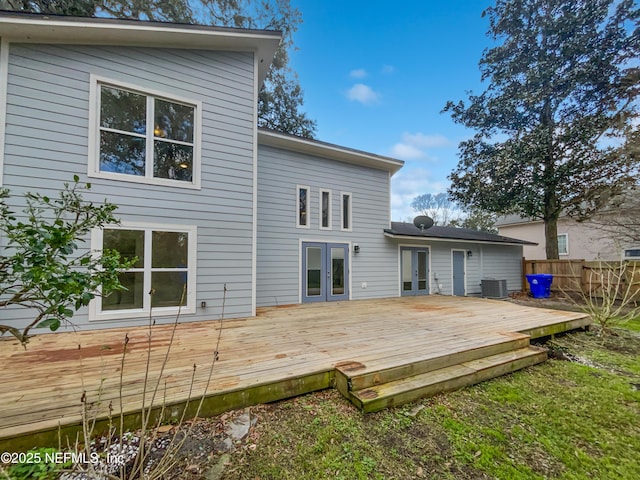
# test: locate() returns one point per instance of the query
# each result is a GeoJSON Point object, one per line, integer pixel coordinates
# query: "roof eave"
{"type": "Point", "coordinates": [327, 150]}
{"type": "Point", "coordinates": [440, 239]}
{"type": "Point", "coordinates": [92, 31]}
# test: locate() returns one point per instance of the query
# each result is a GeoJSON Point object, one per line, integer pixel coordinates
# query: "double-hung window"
{"type": "Point", "coordinates": [164, 265]}
{"type": "Point", "coordinates": [144, 136]}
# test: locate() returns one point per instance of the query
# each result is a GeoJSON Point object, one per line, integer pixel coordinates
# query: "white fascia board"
{"type": "Point", "coordinates": [328, 150]}
{"type": "Point", "coordinates": [457, 240]}
{"type": "Point", "coordinates": [77, 31]}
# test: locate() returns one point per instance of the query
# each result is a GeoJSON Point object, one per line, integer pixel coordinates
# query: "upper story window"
{"type": "Point", "coordinates": [302, 202]}
{"type": "Point", "coordinates": [145, 137]}
{"type": "Point", "coordinates": [345, 210]}
{"type": "Point", "coordinates": [325, 209]}
{"type": "Point", "coordinates": [563, 244]}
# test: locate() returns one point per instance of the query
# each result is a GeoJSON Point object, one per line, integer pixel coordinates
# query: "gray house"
{"type": "Point", "coordinates": [161, 119]}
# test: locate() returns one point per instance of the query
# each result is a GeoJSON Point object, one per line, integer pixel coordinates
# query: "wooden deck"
{"type": "Point", "coordinates": [284, 351]}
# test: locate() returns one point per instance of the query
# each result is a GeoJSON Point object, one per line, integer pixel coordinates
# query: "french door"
{"type": "Point", "coordinates": [414, 275]}
{"type": "Point", "coordinates": [325, 272]}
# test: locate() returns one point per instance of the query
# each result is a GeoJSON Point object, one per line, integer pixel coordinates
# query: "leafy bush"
{"type": "Point", "coordinates": [40, 467]}
{"type": "Point", "coordinates": [40, 267]}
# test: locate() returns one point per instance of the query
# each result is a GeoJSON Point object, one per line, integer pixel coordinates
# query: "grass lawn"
{"type": "Point", "coordinates": [560, 419]}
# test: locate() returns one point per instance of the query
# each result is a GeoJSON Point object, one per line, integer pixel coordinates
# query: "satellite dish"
{"type": "Point", "coordinates": [423, 222]}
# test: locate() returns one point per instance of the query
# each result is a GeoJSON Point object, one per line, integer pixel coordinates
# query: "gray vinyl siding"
{"type": "Point", "coordinates": [47, 142]}
{"type": "Point", "coordinates": [278, 259]}
{"type": "Point", "coordinates": [493, 261]}
{"type": "Point", "coordinates": [503, 262]}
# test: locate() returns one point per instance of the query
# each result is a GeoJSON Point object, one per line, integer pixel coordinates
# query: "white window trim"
{"type": "Point", "coordinates": [94, 134]}
{"type": "Point", "coordinates": [4, 79]}
{"type": "Point", "coordinates": [329, 216]}
{"type": "Point", "coordinates": [566, 235]}
{"type": "Point", "coordinates": [349, 213]}
{"type": "Point", "coordinates": [95, 313]}
{"type": "Point", "coordinates": [298, 188]}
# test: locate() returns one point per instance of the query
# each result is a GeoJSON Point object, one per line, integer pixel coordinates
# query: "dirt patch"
{"type": "Point", "coordinates": [557, 301]}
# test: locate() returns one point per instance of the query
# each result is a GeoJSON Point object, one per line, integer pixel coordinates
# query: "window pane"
{"type": "Point", "coordinates": [129, 243]}
{"type": "Point", "coordinates": [169, 249]}
{"type": "Point", "coordinates": [173, 161]}
{"type": "Point", "coordinates": [130, 298]}
{"type": "Point", "coordinates": [173, 121]}
{"type": "Point", "coordinates": [314, 270]}
{"type": "Point", "coordinates": [337, 271]}
{"type": "Point", "coordinates": [407, 272]}
{"type": "Point", "coordinates": [302, 207]}
{"type": "Point", "coordinates": [562, 244]}
{"type": "Point", "coordinates": [122, 153]}
{"type": "Point", "coordinates": [123, 110]}
{"type": "Point", "coordinates": [422, 270]}
{"type": "Point", "coordinates": [168, 289]}
{"type": "Point", "coordinates": [325, 209]}
{"type": "Point", "coordinates": [346, 221]}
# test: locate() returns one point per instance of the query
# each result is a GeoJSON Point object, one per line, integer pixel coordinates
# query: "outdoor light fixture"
{"type": "Point", "coordinates": [356, 248]}
{"type": "Point", "coordinates": [469, 253]}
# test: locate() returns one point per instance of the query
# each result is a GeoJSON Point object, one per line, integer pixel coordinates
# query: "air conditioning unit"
{"type": "Point", "coordinates": [632, 253]}
{"type": "Point", "coordinates": [492, 288]}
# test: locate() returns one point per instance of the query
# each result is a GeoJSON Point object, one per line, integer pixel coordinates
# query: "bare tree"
{"type": "Point", "coordinates": [620, 219]}
{"type": "Point", "coordinates": [439, 207]}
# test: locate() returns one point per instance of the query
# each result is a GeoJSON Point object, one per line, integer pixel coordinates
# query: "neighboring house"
{"type": "Point", "coordinates": [161, 119]}
{"type": "Point", "coordinates": [586, 240]}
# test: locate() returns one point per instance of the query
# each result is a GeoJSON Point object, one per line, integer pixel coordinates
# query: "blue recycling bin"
{"type": "Point", "coordinates": [540, 284]}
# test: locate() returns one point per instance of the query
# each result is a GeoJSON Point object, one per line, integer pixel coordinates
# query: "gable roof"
{"type": "Point", "coordinates": [327, 150]}
{"type": "Point", "coordinates": [58, 29]}
{"type": "Point", "coordinates": [409, 230]}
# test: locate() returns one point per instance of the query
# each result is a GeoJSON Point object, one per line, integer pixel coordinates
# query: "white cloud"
{"type": "Point", "coordinates": [421, 140]}
{"type": "Point", "coordinates": [358, 73]}
{"type": "Point", "coordinates": [407, 184]}
{"type": "Point", "coordinates": [388, 69]}
{"type": "Point", "coordinates": [414, 145]}
{"type": "Point", "coordinates": [407, 152]}
{"type": "Point", "coordinates": [363, 93]}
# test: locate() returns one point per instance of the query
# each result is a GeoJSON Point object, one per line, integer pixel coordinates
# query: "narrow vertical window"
{"type": "Point", "coordinates": [325, 209]}
{"type": "Point", "coordinates": [345, 200]}
{"type": "Point", "coordinates": [302, 201]}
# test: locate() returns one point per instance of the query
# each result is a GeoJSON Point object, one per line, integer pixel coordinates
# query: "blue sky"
{"type": "Point", "coordinates": [376, 76]}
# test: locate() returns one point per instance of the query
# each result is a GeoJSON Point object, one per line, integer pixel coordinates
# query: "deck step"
{"type": "Point", "coordinates": [355, 376]}
{"type": "Point", "coordinates": [431, 383]}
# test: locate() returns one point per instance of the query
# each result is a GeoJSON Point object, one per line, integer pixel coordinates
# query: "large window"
{"type": "Point", "coordinates": [145, 137]}
{"type": "Point", "coordinates": [164, 263]}
{"type": "Point", "coordinates": [563, 244]}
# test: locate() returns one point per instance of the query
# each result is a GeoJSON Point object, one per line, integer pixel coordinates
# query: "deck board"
{"type": "Point", "coordinates": [41, 386]}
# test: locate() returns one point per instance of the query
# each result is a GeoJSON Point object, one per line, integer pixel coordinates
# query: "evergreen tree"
{"type": "Point", "coordinates": [556, 128]}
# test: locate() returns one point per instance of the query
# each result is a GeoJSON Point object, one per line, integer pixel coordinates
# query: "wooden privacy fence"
{"type": "Point", "coordinates": [580, 275]}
